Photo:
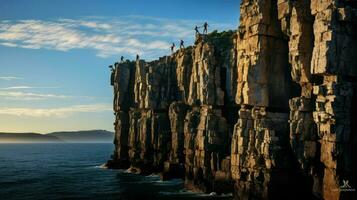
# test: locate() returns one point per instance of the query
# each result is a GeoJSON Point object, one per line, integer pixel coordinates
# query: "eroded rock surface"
{"type": "Point", "coordinates": [266, 112]}
{"type": "Point", "coordinates": [175, 119]}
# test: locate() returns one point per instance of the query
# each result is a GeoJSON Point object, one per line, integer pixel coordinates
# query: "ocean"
{"type": "Point", "coordinates": [72, 171]}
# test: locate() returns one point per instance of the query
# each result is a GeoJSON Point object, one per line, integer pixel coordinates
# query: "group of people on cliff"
{"type": "Point", "coordinates": [182, 43]}
{"type": "Point", "coordinates": [205, 31]}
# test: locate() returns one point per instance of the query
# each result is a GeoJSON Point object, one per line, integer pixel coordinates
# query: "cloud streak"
{"type": "Point", "coordinates": [29, 96]}
{"type": "Point", "coordinates": [128, 35]}
{"type": "Point", "coordinates": [8, 78]}
{"type": "Point", "coordinates": [55, 112]}
{"type": "Point", "coordinates": [21, 87]}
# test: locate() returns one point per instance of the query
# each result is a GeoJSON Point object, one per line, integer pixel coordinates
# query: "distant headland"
{"type": "Point", "coordinates": [88, 136]}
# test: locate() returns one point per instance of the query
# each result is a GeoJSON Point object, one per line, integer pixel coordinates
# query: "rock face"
{"type": "Point", "coordinates": [261, 113]}
{"type": "Point", "coordinates": [173, 115]}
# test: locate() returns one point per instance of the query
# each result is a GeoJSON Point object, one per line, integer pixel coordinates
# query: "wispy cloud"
{"type": "Point", "coordinates": [8, 78]}
{"type": "Point", "coordinates": [21, 87]}
{"type": "Point", "coordinates": [16, 88]}
{"type": "Point", "coordinates": [55, 112]}
{"type": "Point", "coordinates": [128, 35]}
{"type": "Point", "coordinates": [10, 95]}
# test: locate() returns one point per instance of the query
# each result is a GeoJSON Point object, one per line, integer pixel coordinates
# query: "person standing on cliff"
{"type": "Point", "coordinates": [173, 47]}
{"type": "Point", "coordinates": [196, 29]}
{"type": "Point", "coordinates": [205, 26]}
{"type": "Point", "coordinates": [182, 44]}
{"type": "Point", "coordinates": [122, 58]}
{"type": "Point", "coordinates": [137, 57]}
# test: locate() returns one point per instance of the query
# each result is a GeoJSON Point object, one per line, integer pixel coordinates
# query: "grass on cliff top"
{"type": "Point", "coordinates": [222, 40]}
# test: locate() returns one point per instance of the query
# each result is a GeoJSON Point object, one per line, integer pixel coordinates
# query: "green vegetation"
{"type": "Point", "coordinates": [221, 40]}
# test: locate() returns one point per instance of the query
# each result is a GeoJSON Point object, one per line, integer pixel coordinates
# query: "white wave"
{"type": "Point", "coordinates": [189, 193]}
{"type": "Point", "coordinates": [102, 166]}
{"type": "Point", "coordinates": [183, 192]}
{"type": "Point", "coordinates": [153, 175]}
{"type": "Point", "coordinates": [169, 182]}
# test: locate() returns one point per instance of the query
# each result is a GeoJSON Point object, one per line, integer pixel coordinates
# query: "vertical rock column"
{"type": "Point", "coordinates": [206, 130]}
{"type": "Point", "coordinates": [183, 60]}
{"type": "Point", "coordinates": [297, 25]}
{"type": "Point", "coordinates": [258, 156]}
{"type": "Point", "coordinates": [260, 151]}
{"type": "Point", "coordinates": [322, 43]}
{"type": "Point", "coordinates": [334, 61]}
{"type": "Point", "coordinates": [123, 83]}
{"type": "Point", "coordinates": [174, 166]}
{"type": "Point", "coordinates": [150, 135]}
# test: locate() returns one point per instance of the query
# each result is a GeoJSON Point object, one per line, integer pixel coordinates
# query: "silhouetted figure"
{"type": "Point", "coordinates": [196, 29]}
{"type": "Point", "coordinates": [182, 44]}
{"type": "Point", "coordinates": [122, 58]}
{"type": "Point", "coordinates": [137, 57]}
{"type": "Point", "coordinates": [173, 47]}
{"type": "Point", "coordinates": [111, 67]}
{"type": "Point", "coordinates": [205, 28]}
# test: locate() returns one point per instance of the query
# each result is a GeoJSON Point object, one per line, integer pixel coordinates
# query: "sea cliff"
{"type": "Point", "coordinates": [264, 111]}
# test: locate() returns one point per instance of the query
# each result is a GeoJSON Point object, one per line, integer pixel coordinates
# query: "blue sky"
{"type": "Point", "coordinates": [54, 54]}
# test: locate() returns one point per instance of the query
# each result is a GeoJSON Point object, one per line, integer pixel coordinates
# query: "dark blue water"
{"type": "Point", "coordinates": [71, 171]}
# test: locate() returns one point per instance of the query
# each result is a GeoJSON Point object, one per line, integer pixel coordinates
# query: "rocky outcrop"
{"type": "Point", "coordinates": [267, 112]}
{"type": "Point", "coordinates": [123, 84]}
{"type": "Point", "coordinates": [172, 114]}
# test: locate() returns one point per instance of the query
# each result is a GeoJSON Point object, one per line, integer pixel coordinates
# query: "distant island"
{"type": "Point", "coordinates": [90, 136]}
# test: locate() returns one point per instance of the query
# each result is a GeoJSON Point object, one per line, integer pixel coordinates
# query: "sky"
{"type": "Point", "coordinates": [54, 54]}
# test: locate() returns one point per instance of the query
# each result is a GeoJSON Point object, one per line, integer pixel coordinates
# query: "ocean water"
{"type": "Point", "coordinates": [72, 171]}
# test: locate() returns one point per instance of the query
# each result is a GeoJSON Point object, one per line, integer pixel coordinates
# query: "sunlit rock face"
{"type": "Point", "coordinates": [264, 112]}
{"type": "Point", "coordinates": [175, 115]}
{"type": "Point", "coordinates": [296, 55]}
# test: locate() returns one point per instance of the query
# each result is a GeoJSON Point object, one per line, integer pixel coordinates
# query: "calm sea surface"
{"type": "Point", "coordinates": [71, 171]}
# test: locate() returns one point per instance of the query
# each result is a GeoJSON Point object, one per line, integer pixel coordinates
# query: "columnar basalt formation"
{"type": "Point", "coordinates": [267, 112]}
